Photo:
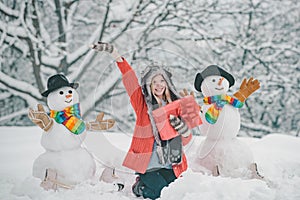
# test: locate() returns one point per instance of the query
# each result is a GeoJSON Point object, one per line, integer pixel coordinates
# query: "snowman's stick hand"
{"type": "Point", "coordinates": [40, 118]}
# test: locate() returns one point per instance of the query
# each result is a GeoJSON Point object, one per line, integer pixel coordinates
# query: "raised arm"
{"type": "Point", "coordinates": [129, 77]}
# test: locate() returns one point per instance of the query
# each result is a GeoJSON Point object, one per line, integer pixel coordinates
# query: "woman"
{"type": "Point", "coordinates": [157, 162]}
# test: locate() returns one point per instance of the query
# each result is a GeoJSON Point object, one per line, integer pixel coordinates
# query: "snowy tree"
{"type": "Point", "coordinates": [40, 39]}
{"type": "Point", "coordinates": [257, 38]}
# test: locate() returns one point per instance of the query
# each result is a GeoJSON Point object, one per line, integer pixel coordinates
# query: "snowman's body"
{"type": "Point", "coordinates": [64, 151]}
{"type": "Point", "coordinates": [221, 148]}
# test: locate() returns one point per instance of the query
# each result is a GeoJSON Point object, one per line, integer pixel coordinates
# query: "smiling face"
{"type": "Point", "coordinates": [62, 98]}
{"type": "Point", "coordinates": [214, 85]}
{"type": "Point", "coordinates": [158, 85]}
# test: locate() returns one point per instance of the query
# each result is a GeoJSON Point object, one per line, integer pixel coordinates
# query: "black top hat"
{"type": "Point", "coordinates": [58, 81]}
{"type": "Point", "coordinates": [210, 71]}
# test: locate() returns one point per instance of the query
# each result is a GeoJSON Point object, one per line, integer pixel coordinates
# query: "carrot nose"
{"type": "Point", "coordinates": [220, 81]}
{"type": "Point", "coordinates": [68, 96]}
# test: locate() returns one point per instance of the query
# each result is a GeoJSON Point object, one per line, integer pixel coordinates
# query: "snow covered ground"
{"type": "Point", "coordinates": [277, 156]}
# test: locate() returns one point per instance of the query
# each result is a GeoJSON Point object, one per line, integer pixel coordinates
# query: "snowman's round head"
{"type": "Point", "coordinates": [214, 85]}
{"type": "Point", "coordinates": [213, 80]}
{"type": "Point", "coordinates": [60, 92]}
{"type": "Point", "coordinates": [62, 98]}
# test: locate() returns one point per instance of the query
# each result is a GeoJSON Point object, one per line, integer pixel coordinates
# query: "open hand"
{"type": "Point", "coordinates": [252, 84]}
{"type": "Point", "coordinates": [185, 93]}
{"type": "Point", "coordinates": [100, 124]}
{"type": "Point", "coordinates": [40, 118]}
{"type": "Point", "coordinates": [247, 88]}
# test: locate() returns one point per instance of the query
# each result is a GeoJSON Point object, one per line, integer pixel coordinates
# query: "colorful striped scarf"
{"type": "Point", "coordinates": [218, 102]}
{"type": "Point", "coordinates": [70, 117]}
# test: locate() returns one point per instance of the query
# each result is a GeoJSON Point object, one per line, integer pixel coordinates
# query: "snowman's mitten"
{"type": "Point", "coordinates": [185, 93]}
{"type": "Point", "coordinates": [179, 125]}
{"type": "Point", "coordinates": [247, 88]}
{"type": "Point", "coordinates": [103, 46]}
{"type": "Point", "coordinates": [100, 124]}
{"type": "Point", "coordinates": [40, 118]}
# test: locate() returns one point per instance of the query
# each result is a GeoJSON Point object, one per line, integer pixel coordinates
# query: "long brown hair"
{"type": "Point", "coordinates": [166, 94]}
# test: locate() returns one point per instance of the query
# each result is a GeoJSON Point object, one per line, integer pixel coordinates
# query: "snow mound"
{"type": "Point", "coordinates": [276, 155]}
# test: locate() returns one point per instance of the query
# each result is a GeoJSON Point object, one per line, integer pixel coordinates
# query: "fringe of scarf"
{"type": "Point", "coordinates": [70, 117]}
{"type": "Point", "coordinates": [218, 102]}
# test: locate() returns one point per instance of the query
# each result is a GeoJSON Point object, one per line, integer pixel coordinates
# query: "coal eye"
{"type": "Point", "coordinates": [61, 92]}
{"type": "Point", "coordinates": [213, 80]}
{"type": "Point", "coordinates": [70, 91]}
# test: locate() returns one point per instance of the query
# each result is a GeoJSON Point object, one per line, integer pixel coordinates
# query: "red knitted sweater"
{"type": "Point", "coordinates": [140, 151]}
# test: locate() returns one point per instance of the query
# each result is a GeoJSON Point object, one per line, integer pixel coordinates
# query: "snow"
{"type": "Point", "coordinates": [17, 84]}
{"type": "Point", "coordinates": [8, 10]}
{"type": "Point", "coordinates": [277, 156]}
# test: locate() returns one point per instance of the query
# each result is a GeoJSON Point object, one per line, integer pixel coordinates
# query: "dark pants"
{"type": "Point", "coordinates": [155, 181]}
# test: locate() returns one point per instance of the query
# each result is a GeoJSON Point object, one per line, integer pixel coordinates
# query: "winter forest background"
{"type": "Point", "coordinates": [259, 38]}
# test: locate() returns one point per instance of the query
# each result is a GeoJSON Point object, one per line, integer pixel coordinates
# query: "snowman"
{"type": "Point", "coordinates": [65, 162]}
{"type": "Point", "coordinates": [221, 152]}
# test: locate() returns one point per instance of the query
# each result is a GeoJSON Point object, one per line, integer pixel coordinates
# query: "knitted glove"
{"type": "Point", "coordinates": [40, 118]}
{"type": "Point", "coordinates": [100, 124]}
{"type": "Point", "coordinates": [247, 88]}
{"type": "Point", "coordinates": [179, 125]}
{"type": "Point", "coordinates": [103, 46]}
